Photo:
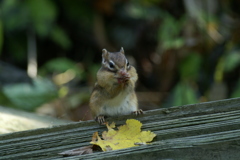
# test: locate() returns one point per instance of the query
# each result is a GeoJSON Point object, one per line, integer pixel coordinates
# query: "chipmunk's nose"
{"type": "Point", "coordinates": [123, 73]}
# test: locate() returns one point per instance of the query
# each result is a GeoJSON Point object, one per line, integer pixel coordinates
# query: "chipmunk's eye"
{"type": "Point", "coordinates": [111, 65]}
{"type": "Point", "coordinates": [128, 65]}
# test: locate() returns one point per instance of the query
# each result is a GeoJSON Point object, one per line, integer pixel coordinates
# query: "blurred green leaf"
{"type": "Point", "coordinates": [173, 44]}
{"type": "Point", "coordinates": [231, 61]}
{"type": "Point", "coordinates": [60, 65]}
{"type": "Point", "coordinates": [190, 66]}
{"type": "Point", "coordinates": [184, 94]}
{"type": "Point", "coordinates": [140, 11]}
{"type": "Point", "coordinates": [60, 37]}
{"type": "Point", "coordinates": [169, 32]}
{"type": "Point", "coordinates": [42, 13]}
{"type": "Point", "coordinates": [30, 96]}
{"type": "Point", "coordinates": [169, 28]}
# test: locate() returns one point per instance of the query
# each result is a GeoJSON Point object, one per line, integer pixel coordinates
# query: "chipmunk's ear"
{"type": "Point", "coordinates": [121, 50]}
{"type": "Point", "coordinates": [104, 55]}
{"type": "Point", "coordinates": [104, 51]}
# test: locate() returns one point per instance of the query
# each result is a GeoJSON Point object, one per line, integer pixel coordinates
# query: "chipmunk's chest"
{"type": "Point", "coordinates": [119, 105]}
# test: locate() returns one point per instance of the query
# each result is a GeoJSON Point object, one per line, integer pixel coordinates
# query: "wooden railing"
{"type": "Point", "coordinates": [208, 130]}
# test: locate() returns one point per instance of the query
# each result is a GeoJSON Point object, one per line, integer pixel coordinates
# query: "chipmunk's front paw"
{"type": "Point", "coordinates": [138, 112]}
{"type": "Point", "coordinates": [100, 120]}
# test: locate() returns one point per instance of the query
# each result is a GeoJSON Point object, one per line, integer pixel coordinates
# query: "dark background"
{"type": "Point", "coordinates": [184, 51]}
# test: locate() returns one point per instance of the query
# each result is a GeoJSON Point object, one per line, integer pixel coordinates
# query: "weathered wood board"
{"type": "Point", "coordinates": [200, 131]}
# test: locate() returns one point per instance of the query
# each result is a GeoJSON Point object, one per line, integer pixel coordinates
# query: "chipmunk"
{"type": "Point", "coordinates": [113, 93]}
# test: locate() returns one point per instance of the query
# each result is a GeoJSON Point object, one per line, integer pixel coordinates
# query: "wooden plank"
{"type": "Point", "coordinates": [206, 130]}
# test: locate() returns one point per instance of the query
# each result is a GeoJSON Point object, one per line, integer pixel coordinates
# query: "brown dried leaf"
{"type": "Point", "coordinates": [78, 151]}
{"type": "Point", "coordinates": [95, 136]}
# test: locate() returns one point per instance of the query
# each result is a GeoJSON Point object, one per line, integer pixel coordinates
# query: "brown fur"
{"type": "Point", "coordinates": [107, 86]}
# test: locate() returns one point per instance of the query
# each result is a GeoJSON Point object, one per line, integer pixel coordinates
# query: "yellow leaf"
{"type": "Point", "coordinates": [126, 136]}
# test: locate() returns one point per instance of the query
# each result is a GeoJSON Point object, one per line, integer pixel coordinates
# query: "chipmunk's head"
{"type": "Point", "coordinates": [116, 64]}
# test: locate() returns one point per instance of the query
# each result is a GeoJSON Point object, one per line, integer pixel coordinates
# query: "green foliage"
{"type": "Point", "coordinates": [184, 93]}
{"type": "Point", "coordinates": [190, 66]}
{"type": "Point", "coordinates": [37, 15]}
{"type": "Point", "coordinates": [60, 65]}
{"type": "Point", "coordinates": [14, 15]}
{"type": "Point", "coordinates": [42, 14]}
{"type": "Point", "coordinates": [142, 11]}
{"type": "Point", "coordinates": [231, 60]}
{"type": "Point", "coordinates": [59, 36]}
{"type": "Point", "coordinates": [15, 20]}
{"type": "Point", "coordinates": [169, 33]}
{"type": "Point", "coordinates": [30, 96]}
{"type": "Point", "coordinates": [145, 28]}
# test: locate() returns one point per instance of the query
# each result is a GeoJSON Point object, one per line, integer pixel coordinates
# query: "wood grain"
{"type": "Point", "coordinates": [200, 131]}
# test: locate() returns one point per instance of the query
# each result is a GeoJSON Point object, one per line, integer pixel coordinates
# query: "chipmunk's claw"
{"type": "Point", "coordinates": [100, 120]}
{"type": "Point", "coordinates": [138, 112]}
